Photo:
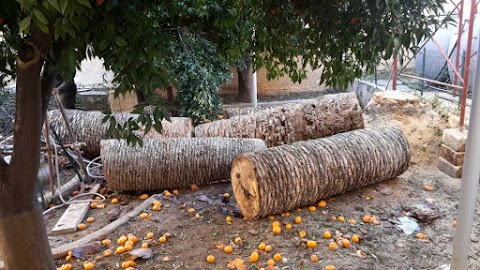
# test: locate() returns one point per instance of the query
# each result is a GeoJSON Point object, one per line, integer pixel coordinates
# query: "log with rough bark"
{"type": "Point", "coordinates": [318, 118]}
{"type": "Point", "coordinates": [171, 163]}
{"type": "Point", "coordinates": [88, 128]}
{"type": "Point", "coordinates": [289, 176]}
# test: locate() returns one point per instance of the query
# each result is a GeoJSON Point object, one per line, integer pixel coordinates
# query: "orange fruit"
{"type": "Point", "coordinates": [330, 267]}
{"type": "Point", "coordinates": [341, 219]}
{"type": "Point", "coordinates": [162, 239]}
{"type": "Point", "coordinates": [322, 204]}
{"type": "Point", "coordinates": [150, 235]}
{"type": "Point", "coordinates": [345, 243]}
{"type": "Point", "coordinates": [143, 196]}
{"type": "Point", "coordinates": [238, 240]}
{"type": "Point", "coordinates": [144, 245]}
{"type": "Point", "coordinates": [427, 188]}
{"type": "Point", "coordinates": [229, 219]}
{"type": "Point", "coordinates": [175, 192]}
{"type": "Point", "coordinates": [355, 238]}
{"type": "Point", "coordinates": [107, 253]}
{"type": "Point", "coordinates": [210, 259]}
{"type": "Point", "coordinates": [298, 220]}
{"type": "Point", "coordinates": [276, 223]}
{"type": "Point", "coordinates": [194, 187]}
{"type": "Point", "coordinates": [90, 219]}
{"type": "Point", "coordinates": [286, 214]}
{"type": "Point", "coordinates": [277, 257]}
{"type": "Point", "coordinates": [333, 246]}
{"type": "Point", "coordinates": [327, 234]}
{"type": "Point", "coordinates": [114, 201]}
{"type": "Point", "coordinates": [367, 219]}
{"type": "Point", "coordinates": [270, 262]}
{"type": "Point", "coordinates": [271, 217]}
{"type": "Point", "coordinates": [156, 207]}
{"type": "Point", "coordinates": [88, 265]}
{"type": "Point", "coordinates": [454, 223]}
{"type": "Point", "coordinates": [302, 234]}
{"type": "Point", "coordinates": [167, 193]}
{"type": "Point", "coordinates": [106, 242]}
{"type": "Point", "coordinates": [129, 243]}
{"type": "Point", "coordinates": [128, 247]}
{"type": "Point", "coordinates": [277, 230]}
{"type": "Point", "coordinates": [120, 250]}
{"type": "Point", "coordinates": [68, 258]}
{"type": "Point", "coordinates": [228, 249]}
{"type": "Point", "coordinates": [133, 238]}
{"type": "Point", "coordinates": [125, 265]}
{"type": "Point", "coordinates": [191, 210]}
{"type": "Point", "coordinates": [352, 221]}
{"type": "Point", "coordinates": [70, 253]}
{"type": "Point", "coordinates": [299, 209]}
{"type": "Point", "coordinates": [66, 267]}
{"type": "Point", "coordinates": [262, 246]}
{"type": "Point", "coordinates": [268, 248]}
{"type": "Point", "coordinates": [122, 240]}
{"type": "Point", "coordinates": [82, 226]}
{"type": "Point", "coordinates": [314, 258]}
{"type": "Point", "coordinates": [421, 236]}
{"type": "Point", "coordinates": [93, 205]}
{"type": "Point", "coordinates": [155, 202]}
{"type": "Point", "coordinates": [143, 215]}
{"type": "Point", "coordinates": [311, 244]}
{"type": "Point", "coordinates": [312, 208]}
{"type": "Point", "coordinates": [254, 257]}
{"type": "Point", "coordinates": [288, 226]}
{"type": "Point", "coordinates": [132, 263]}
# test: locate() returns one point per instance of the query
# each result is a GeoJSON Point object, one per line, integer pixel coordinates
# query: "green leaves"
{"type": "Point", "coordinates": [25, 24]}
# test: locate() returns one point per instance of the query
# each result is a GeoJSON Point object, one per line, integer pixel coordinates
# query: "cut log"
{"type": "Point", "coordinates": [171, 163]}
{"type": "Point", "coordinates": [318, 118]}
{"type": "Point", "coordinates": [88, 128]}
{"type": "Point", "coordinates": [286, 177]}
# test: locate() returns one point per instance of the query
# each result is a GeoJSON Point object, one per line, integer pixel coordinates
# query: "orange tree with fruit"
{"type": "Point", "coordinates": [42, 38]}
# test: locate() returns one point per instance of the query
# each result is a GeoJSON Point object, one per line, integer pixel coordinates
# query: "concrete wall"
{"type": "Point", "coordinates": [364, 91]}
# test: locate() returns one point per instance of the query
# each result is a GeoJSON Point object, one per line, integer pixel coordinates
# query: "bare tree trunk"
{"type": "Point", "coordinates": [245, 83]}
{"type": "Point", "coordinates": [23, 238]}
{"type": "Point", "coordinates": [171, 163]}
{"type": "Point", "coordinates": [285, 124]}
{"type": "Point", "coordinates": [289, 176]}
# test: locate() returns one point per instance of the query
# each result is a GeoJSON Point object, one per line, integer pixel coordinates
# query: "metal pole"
{"type": "Point", "coordinates": [254, 89]}
{"type": "Point", "coordinates": [430, 81]}
{"type": "Point", "coordinates": [469, 189]}
{"type": "Point", "coordinates": [466, 74]}
{"type": "Point", "coordinates": [423, 69]}
{"type": "Point", "coordinates": [394, 79]}
{"type": "Point", "coordinates": [459, 40]}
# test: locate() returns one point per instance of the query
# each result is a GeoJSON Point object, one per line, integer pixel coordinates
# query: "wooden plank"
{"type": "Point", "coordinates": [74, 214]}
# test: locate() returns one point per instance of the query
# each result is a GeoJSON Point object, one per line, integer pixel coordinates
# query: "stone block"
{"type": "Point", "coordinates": [449, 169]}
{"type": "Point", "coordinates": [455, 139]}
{"type": "Point", "coordinates": [454, 157]}
{"type": "Point", "coordinates": [123, 102]}
{"type": "Point", "coordinates": [96, 100]}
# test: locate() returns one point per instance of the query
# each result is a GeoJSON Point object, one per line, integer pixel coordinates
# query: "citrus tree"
{"type": "Point", "coordinates": [40, 39]}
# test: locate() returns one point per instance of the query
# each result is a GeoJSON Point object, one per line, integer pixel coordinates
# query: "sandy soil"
{"type": "Point", "coordinates": [385, 245]}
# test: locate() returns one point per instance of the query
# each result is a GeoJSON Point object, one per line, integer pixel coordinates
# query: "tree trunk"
{"type": "Point", "coordinates": [171, 163]}
{"type": "Point", "coordinates": [88, 128]}
{"type": "Point", "coordinates": [245, 83]}
{"type": "Point", "coordinates": [318, 118]}
{"type": "Point", "coordinates": [23, 238]}
{"type": "Point", "coordinates": [286, 177]}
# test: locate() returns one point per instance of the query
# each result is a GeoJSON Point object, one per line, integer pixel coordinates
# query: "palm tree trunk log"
{"type": "Point", "coordinates": [319, 118]}
{"type": "Point", "coordinates": [171, 163]}
{"type": "Point", "coordinates": [286, 177]}
{"type": "Point", "coordinates": [88, 128]}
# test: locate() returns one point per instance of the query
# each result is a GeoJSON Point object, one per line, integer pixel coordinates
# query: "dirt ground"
{"type": "Point", "coordinates": [194, 237]}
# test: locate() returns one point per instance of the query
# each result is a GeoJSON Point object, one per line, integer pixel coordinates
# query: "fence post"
{"type": "Point", "coordinates": [394, 83]}
{"type": "Point", "coordinates": [423, 69]}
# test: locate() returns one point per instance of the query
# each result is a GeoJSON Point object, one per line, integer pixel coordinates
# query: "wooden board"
{"type": "Point", "coordinates": [74, 215]}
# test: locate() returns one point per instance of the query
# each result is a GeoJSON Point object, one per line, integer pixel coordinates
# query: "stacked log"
{"type": "Point", "coordinates": [88, 128]}
{"type": "Point", "coordinates": [171, 163]}
{"type": "Point", "coordinates": [285, 124]}
{"type": "Point", "coordinates": [286, 177]}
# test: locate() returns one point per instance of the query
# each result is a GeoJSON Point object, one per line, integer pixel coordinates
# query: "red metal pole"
{"type": "Point", "coordinates": [459, 41]}
{"type": "Point", "coordinates": [394, 83]}
{"type": "Point", "coordinates": [466, 73]}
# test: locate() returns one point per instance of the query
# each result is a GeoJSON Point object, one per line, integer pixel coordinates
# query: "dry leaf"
{"type": "Point", "coordinates": [144, 253]}
{"type": "Point", "coordinates": [361, 254]}
{"type": "Point", "coordinates": [168, 259]}
{"type": "Point", "coordinates": [421, 236]}
{"type": "Point", "coordinates": [219, 246]}
{"type": "Point", "coordinates": [235, 264]}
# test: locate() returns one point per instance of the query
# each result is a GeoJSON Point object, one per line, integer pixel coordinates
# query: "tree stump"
{"type": "Point", "coordinates": [286, 177]}
{"type": "Point", "coordinates": [171, 163]}
{"type": "Point", "coordinates": [285, 124]}
{"type": "Point", "coordinates": [88, 128]}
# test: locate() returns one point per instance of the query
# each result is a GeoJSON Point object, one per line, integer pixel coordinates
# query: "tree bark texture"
{"type": "Point", "coordinates": [289, 176]}
{"type": "Point", "coordinates": [245, 83]}
{"type": "Point", "coordinates": [88, 128]}
{"type": "Point", "coordinates": [23, 238]}
{"type": "Point", "coordinates": [321, 117]}
{"type": "Point", "coordinates": [171, 163]}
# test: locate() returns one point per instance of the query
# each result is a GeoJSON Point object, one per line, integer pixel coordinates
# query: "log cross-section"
{"type": "Point", "coordinates": [289, 176]}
